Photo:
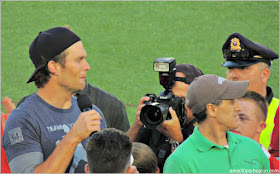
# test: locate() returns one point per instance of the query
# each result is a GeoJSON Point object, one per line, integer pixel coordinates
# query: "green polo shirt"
{"type": "Point", "coordinates": [198, 155]}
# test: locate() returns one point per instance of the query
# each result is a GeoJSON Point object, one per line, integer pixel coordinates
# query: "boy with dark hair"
{"type": "Point", "coordinates": [109, 151]}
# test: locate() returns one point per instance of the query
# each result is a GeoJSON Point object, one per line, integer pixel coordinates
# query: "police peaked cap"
{"type": "Point", "coordinates": [240, 51]}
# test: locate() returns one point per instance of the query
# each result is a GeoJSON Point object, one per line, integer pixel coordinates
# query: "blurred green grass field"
{"type": "Point", "coordinates": [122, 39]}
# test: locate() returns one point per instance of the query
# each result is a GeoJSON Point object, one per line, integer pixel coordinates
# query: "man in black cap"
{"type": "Point", "coordinates": [112, 108]}
{"type": "Point", "coordinates": [247, 60]}
{"type": "Point", "coordinates": [48, 133]}
{"type": "Point", "coordinates": [170, 133]}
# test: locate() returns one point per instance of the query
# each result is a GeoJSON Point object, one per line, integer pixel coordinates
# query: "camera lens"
{"type": "Point", "coordinates": [154, 115]}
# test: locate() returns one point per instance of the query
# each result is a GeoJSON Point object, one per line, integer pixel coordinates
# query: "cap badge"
{"type": "Point", "coordinates": [235, 44]}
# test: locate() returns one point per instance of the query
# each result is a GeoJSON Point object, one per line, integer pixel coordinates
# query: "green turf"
{"type": "Point", "coordinates": [122, 39]}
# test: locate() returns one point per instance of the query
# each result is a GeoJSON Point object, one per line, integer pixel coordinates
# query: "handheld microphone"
{"type": "Point", "coordinates": [85, 104]}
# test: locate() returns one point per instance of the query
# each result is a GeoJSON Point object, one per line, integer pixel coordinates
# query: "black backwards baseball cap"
{"type": "Point", "coordinates": [240, 51]}
{"type": "Point", "coordinates": [209, 88]}
{"type": "Point", "coordinates": [49, 44]}
{"type": "Point", "coordinates": [190, 71]}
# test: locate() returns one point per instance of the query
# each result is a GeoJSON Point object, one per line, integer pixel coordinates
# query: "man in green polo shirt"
{"type": "Point", "coordinates": [212, 148]}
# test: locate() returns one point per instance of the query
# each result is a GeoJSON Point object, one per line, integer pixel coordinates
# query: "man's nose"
{"type": "Point", "coordinates": [233, 74]}
{"type": "Point", "coordinates": [86, 65]}
{"type": "Point", "coordinates": [236, 106]}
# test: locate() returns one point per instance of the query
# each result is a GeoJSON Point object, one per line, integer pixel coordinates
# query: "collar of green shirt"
{"type": "Point", "coordinates": [203, 144]}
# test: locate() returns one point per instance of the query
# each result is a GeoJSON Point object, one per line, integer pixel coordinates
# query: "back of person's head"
{"type": "Point", "coordinates": [210, 89]}
{"type": "Point", "coordinates": [144, 158]}
{"type": "Point", "coordinates": [260, 102]}
{"type": "Point", "coordinates": [109, 151]}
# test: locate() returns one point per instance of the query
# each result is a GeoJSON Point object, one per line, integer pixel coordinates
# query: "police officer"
{"type": "Point", "coordinates": [247, 60]}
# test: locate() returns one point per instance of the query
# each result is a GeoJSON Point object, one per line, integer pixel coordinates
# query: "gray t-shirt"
{"type": "Point", "coordinates": [34, 129]}
{"type": "Point", "coordinates": [112, 108]}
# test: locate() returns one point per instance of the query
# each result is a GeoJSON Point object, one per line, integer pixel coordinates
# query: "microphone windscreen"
{"type": "Point", "coordinates": [84, 102]}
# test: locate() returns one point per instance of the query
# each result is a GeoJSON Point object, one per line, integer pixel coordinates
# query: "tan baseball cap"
{"type": "Point", "coordinates": [210, 88]}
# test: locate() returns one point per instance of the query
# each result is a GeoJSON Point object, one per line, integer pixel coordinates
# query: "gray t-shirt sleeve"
{"type": "Point", "coordinates": [26, 163]}
{"type": "Point", "coordinates": [20, 140]}
{"type": "Point", "coordinates": [36, 127]}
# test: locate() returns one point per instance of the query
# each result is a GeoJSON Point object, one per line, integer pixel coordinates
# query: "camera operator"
{"type": "Point", "coordinates": [170, 133]}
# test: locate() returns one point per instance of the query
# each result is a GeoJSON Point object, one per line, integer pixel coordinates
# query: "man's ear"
{"type": "Point", "coordinates": [53, 67]}
{"type": "Point", "coordinates": [86, 168]}
{"type": "Point", "coordinates": [261, 127]}
{"type": "Point", "coordinates": [211, 109]}
{"type": "Point", "coordinates": [265, 75]}
{"type": "Point", "coordinates": [132, 169]}
{"type": "Point", "coordinates": [158, 171]}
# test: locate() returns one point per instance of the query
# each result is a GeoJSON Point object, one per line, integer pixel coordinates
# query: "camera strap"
{"type": "Point", "coordinates": [181, 79]}
{"type": "Point", "coordinates": [160, 146]}
{"type": "Point", "coordinates": [156, 137]}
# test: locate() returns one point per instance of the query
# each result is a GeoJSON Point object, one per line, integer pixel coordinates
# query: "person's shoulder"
{"type": "Point", "coordinates": [104, 94]}
{"type": "Point", "coordinates": [19, 116]}
{"type": "Point", "coordinates": [248, 146]}
{"type": "Point", "coordinates": [32, 107]}
{"type": "Point", "coordinates": [242, 138]}
{"type": "Point", "coordinates": [181, 157]}
{"type": "Point", "coordinates": [270, 95]}
{"type": "Point", "coordinates": [245, 141]}
{"type": "Point", "coordinates": [30, 102]}
{"type": "Point", "coordinates": [24, 98]}
{"type": "Point", "coordinates": [185, 148]}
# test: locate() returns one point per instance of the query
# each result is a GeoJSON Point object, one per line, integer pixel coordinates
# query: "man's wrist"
{"type": "Point", "coordinates": [179, 138]}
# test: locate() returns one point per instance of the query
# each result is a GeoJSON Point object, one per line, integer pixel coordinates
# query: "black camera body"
{"type": "Point", "coordinates": [157, 108]}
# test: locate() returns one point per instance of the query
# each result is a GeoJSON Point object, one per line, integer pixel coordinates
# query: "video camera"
{"type": "Point", "coordinates": [156, 109]}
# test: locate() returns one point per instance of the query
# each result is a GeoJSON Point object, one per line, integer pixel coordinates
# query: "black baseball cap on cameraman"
{"type": "Point", "coordinates": [241, 52]}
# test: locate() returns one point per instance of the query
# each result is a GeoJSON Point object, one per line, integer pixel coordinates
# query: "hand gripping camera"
{"type": "Point", "coordinates": [156, 109]}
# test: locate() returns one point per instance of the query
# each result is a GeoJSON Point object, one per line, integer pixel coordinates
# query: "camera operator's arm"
{"type": "Point", "coordinates": [135, 128]}
{"type": "Point", "coordinates": [171, 128]}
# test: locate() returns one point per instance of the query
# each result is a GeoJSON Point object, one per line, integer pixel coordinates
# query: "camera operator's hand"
{"type": "Point", "coordinates": [171, 128]}
{"type": "Point", "coordinates": [134, 130]}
